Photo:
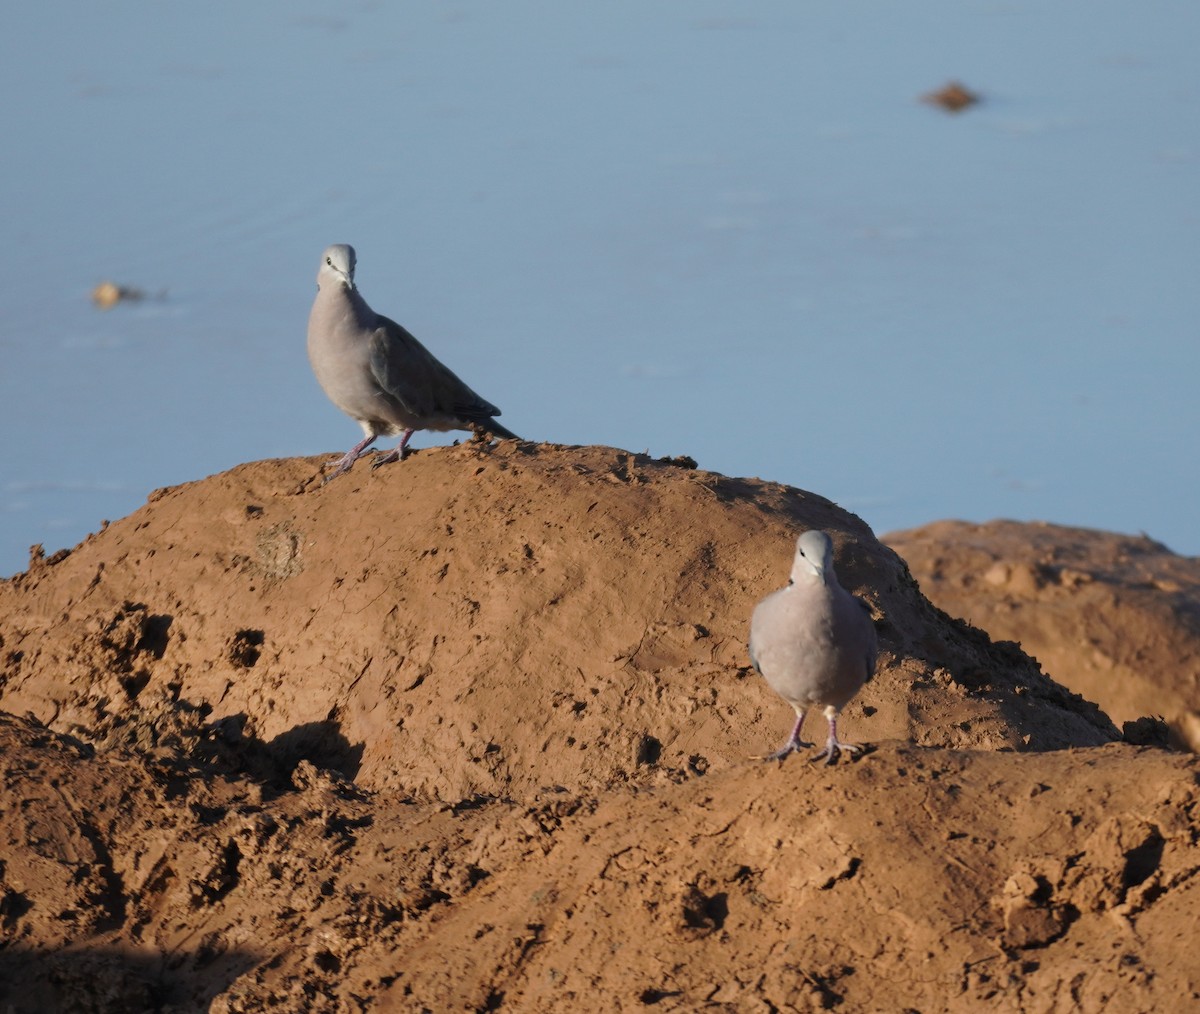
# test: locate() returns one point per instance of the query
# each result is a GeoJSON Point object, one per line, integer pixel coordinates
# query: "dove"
{"type": "Point", "coordinates": [379, 374]}
{"type": "Point", "coordinates": [814, 643]}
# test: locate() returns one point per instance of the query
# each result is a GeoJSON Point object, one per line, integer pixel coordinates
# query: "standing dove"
{"type": "Point", "coordinates": [378, 373]}
{"type": "Point", "coordinates": [814, 643]}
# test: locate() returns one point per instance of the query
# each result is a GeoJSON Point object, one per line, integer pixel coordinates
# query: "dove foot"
{"type": "Point", "coordinates": [346, 461]}
{"type": "Point", "coordinates": [393, 455]}
{"type": "Point", "coordinates": [788, 748]}
{"type": "Point", "coordinates": [397, 453]}
{"type": "Point", "coordinates": [793, 744]}
{"type": "Point", "coordinates": [833, 750]}
{"type": "Point", "coordinates": [833, 746]}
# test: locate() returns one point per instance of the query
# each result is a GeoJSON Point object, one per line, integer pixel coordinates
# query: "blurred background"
{"type": "Point", "coordinates": [725, 229]}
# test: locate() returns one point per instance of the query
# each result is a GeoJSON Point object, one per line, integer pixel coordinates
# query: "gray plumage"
{"type": "Point", "coordinates": [814, 643]}
{"type": "Point", "coordinates": [378, 373]}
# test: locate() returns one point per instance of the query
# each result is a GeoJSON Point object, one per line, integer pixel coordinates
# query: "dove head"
{"type": "Point", "coordinates": [337, 265]}
{"type": "Point", "coordinates": [814, 558]}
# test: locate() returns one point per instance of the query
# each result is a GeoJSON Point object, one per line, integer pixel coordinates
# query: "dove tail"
{"type": "Point", "coordinates": [495, 429]}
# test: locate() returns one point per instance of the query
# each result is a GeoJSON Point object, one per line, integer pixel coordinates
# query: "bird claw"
{"type": "Point", "coordinates": [788, 748]}
{"type": "Point", "coordinates": [343, 464]}
{"type": "Point", "coordinates": [833, 748]}
{"type": "Point", "coordinates": [340, 467]}
{"type": "Point", "coordinates": [393, 455]}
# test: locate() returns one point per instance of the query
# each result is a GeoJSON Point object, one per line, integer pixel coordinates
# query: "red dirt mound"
{"type": "Point", "coordinates": [472, 733]}
{"type": "Point", "coordinates": [1114, 617]}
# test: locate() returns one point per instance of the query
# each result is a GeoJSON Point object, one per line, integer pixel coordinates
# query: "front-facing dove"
{"type": "Point", "coordinates": [378, 373]}
{"type": "Point", "coordinates": [814, 643]}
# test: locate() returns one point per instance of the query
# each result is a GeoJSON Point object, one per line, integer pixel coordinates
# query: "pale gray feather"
{"type": "Point", "coordinates": [813, 641]}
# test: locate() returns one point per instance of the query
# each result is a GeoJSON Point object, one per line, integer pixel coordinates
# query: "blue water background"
{"type": "Point", "coordinates": [721, 229]}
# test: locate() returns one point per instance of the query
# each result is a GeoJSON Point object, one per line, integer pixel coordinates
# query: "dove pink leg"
{"type": "Point", "coordinates": [350, 457]}
{"type": "Point", "coordinates": [793, 742]}
{"type": "Point", "coordinates": [833, 746]}
{"type": "Point", "coordinates": [397, 453]}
